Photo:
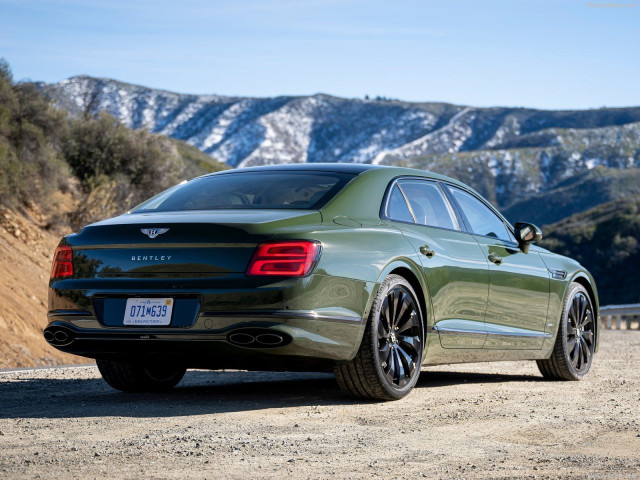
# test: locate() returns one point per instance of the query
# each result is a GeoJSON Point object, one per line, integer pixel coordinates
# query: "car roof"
{"type": "Point", "coordinates": [350, 168]}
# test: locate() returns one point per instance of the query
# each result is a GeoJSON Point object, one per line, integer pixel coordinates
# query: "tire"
{"type": "Point", "coordinates": [573, 351]}
{"type": "Point", "coordinates": [132, 377]}
{"type": "Point", "coordinates": [387, 365]}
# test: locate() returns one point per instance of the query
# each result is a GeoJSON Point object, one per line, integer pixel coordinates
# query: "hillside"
{"type": "Point", "coordinates": [509, 154]}
{"type": "Point", "coordinates": [56, 175]}
{"type": "Point", "coordinates": [577, 194]}
{"type": "Point", "coordinates": [606, 240]}
{"type": "Point", "coordinates": [26, 250]}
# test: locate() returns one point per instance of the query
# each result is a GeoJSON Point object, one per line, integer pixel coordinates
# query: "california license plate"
{"type": "Point", "coordinates": [148, 311]}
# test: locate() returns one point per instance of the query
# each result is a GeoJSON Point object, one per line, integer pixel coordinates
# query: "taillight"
{"type": "Point", "coordinates": [62, 264]}
{"type": "Point", "coordinates": [289, 259]}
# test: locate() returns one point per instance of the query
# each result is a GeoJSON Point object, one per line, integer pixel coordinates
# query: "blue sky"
{"type": "Point", "coordinates": [546, 54]}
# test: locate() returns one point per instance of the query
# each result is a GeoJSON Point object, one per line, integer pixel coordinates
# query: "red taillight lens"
{"type": "Point", "coordinates": [62, 264]}
{"type": "Point", "coordinates": [289, 259]}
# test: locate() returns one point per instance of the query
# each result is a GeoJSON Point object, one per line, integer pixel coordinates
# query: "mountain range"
{"type": "Point", "coordinates": [508, 154]}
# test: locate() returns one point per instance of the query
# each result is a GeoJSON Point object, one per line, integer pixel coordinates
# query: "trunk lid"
{"type": "Point", "coordinates": [178, 243]}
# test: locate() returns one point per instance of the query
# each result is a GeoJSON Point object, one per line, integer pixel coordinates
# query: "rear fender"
{"type": "Point", "coordinates": [406, 267]}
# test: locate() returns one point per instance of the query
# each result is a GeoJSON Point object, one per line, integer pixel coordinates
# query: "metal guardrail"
{"type": "Point", "coordinates": [629, 313]}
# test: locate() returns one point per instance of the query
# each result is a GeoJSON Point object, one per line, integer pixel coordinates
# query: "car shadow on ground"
{"type": "Point", "coordinates": [200, 393]}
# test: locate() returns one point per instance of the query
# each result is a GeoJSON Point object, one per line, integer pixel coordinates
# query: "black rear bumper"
{"type": "Point", "coordinates": [245, 348]}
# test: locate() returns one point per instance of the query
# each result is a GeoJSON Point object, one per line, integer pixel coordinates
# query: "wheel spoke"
{"type": "Point", "coordinates": [400, 368]}
{"type": "Point", "coordinates": [404, 305]}
{"type": "Point", "coordinates": [571, 344]}
{"type": "Point", "coordinates": [586, 353]}
{"type": "Point", "coordinates": [575, 353]}
{"type": "Point", "coordinates": [412, 344]}
{"type": "Point", "coordinates": [579, 356]}
{"type": "Point", "coordinates": [391, 362]}
{"type": "Point", "coordinates": [583, 308]}
{"type": "Point", "coordinates": [386, 313]}
{"type": "Point", "coordinates": [409, 322]}
{"type": "Point", "coordinates": [571, 331]}
{"type": "Point", "coordinates": [407, 360]}
{"type": "Point", "coordinates": [394, 308]}
{"type": "Point", "coordinates": [573, 312]}
{"type": "Point", "coordinates": [588, 337]}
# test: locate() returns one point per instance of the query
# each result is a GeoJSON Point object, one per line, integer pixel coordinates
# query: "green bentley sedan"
{"type": "Point", "coordinates": [370, 272]}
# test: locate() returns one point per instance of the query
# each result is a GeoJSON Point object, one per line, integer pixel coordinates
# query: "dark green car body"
{"type": "Point", "coordinates": [474, 309]}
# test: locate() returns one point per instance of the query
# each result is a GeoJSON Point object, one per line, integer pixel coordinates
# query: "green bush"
{"type": "Point", "coordinates": [41, 151]}
{"type": "Point", "coordinates": [31, 162]}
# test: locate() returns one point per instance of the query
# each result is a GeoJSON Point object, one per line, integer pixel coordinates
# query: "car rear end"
{"type": "Point", "coordinates": [231, 287]}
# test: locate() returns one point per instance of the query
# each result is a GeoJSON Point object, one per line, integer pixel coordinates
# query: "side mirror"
{"type": "Point", "coordinates": [526, 234]}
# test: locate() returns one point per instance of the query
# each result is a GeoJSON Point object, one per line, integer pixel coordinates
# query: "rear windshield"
{"type": "Point", "coordinates": [250, 190]}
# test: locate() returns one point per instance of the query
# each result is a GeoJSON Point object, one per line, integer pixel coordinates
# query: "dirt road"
{"type": "Point", "coordinates": [476, 421]}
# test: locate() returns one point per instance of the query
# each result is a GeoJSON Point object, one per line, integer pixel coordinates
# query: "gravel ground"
{"type": "Point", "coordinates": [497, 420]}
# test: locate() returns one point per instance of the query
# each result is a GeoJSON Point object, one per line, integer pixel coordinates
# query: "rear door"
{"type": "Point", "coordinates": [454, 266]}
{"type": "Point", "coordinates": [519, 282]}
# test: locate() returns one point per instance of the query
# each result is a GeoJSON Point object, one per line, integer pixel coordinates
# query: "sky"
{"type": "Point", "coordinates": [560, 54]}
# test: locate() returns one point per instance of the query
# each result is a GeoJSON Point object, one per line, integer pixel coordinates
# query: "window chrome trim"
{"type": "Point", "coordinates": [406, 200]}
{"type": "Point", "coordinates": [452, 212]}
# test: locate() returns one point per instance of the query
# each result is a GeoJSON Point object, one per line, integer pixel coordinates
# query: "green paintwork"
{"type": "Point", "coordinates": [475, 310]}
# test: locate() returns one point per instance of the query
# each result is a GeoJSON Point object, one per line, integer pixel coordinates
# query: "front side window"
{"type": "Point", "coordinates": [251, 190]}
{"type": "Point", "coordinates": [481, 218]}
{"type": "Point", "coordinates": [428, 204]}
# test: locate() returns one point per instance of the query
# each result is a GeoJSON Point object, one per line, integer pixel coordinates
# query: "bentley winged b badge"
{"type": "Point", "coordinates": [153, 232]}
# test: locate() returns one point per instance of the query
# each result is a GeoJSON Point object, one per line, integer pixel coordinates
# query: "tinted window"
{"type": "Point", "coordinates": [428, 204]}
{"type": "Point", "coordinates": [397, 207]}
{"type": "Point", "coordinates": [251, 190]}
{"type": "Point", "coordinates": [482, 220]}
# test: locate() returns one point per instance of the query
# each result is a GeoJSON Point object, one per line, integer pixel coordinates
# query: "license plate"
{"type": "Point", "coordinates": [148, 311]}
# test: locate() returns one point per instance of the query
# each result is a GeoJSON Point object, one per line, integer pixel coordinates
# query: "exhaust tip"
{"type": "Point", "coordinates": [58, 337]}
{"type": "Point", "coordinates": [270, 339]}
{"type": "Point", "coordinates": [61, 336]}
{"type": "Point", "coordinates": [258, 338]}
{"type": "Point", "coordinates": [241, 338]}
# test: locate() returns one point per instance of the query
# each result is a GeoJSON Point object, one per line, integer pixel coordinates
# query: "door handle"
{"type": "Point", "coordinates": [426, 251]}
{"type": "Point", "coordinates": [495, 258]}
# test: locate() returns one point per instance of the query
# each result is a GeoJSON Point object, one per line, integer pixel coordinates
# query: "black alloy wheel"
{"type": "Point", "coordinates": [576, 340]}
{"type": "Point", "coordinates": [399, 337]}
{"type": "Point", "coordinates": [387, 365]}
{"type": "Point", "coordinates": [580, 336]}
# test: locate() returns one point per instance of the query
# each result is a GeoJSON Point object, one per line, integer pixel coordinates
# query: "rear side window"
{"type": "Point", "coordinates": [397, 208]}
{"type": "Point", "coordinates": [428, 204]}
{"type": "Point", "coordinates": [481, 218]}
{"type": "Point", "coordinates": [251, 190]}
